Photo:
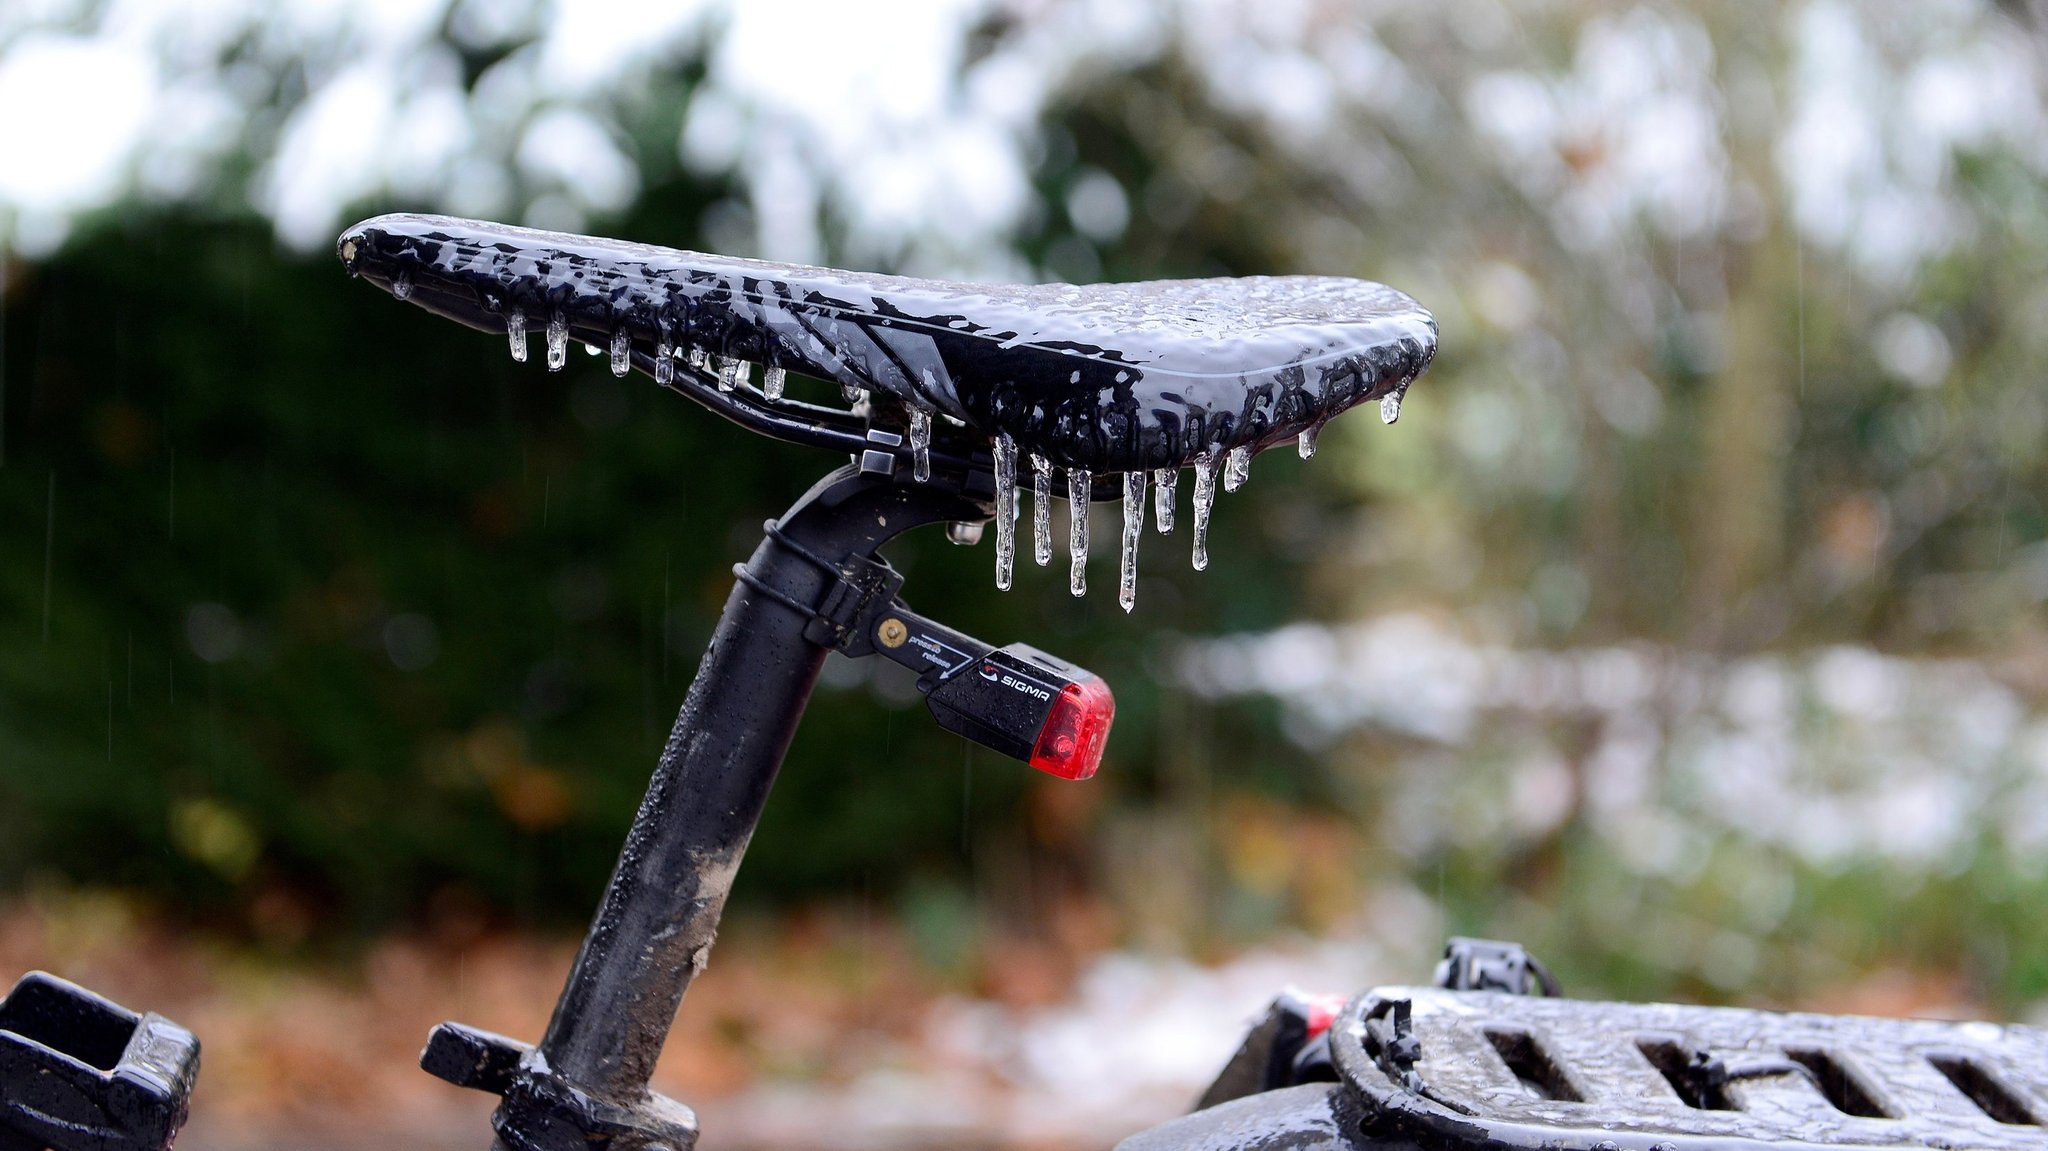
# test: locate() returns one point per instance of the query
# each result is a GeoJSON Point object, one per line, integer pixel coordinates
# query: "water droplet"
{"type": "Point", "coordinates": [590, 349]}
{"type": "Point", "coordinates": [1134, 526]}
{"type": "Point", "coordinates": [558, 342]}
{"type": "Point", "coordinates": [1305, 443]}
{"type": "Point", "coordinates": [622, 352]}
{"type": "Point", "coordinates": [1390, 407]}
{"type": "Point", "coordinates": [772, 382]}
{"type": "Point", "coordinates": [664, 363]}
{"type": "Point", "coordinates": [515, 334]}
{"type": "Point", "coordinates": [401, 285]}
{"type": "Point", "coordinates": [1164, 481]}
{"type": "Point", "coordinates": [1041, 509]}
{"type": "Point", "coordinates": [1006, 510]}
{"type": "Point", "coordinates": [920, 444]}
{"type": "Point", "coordinates": [1237, 468]}
{"type": "Point", "coordinates": [1205, 498]}
{"type": "Point", "coordinates": [1079, 483]}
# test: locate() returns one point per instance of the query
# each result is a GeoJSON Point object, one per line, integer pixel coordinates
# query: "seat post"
{"type": "Point", "coordinates": [654, 929]}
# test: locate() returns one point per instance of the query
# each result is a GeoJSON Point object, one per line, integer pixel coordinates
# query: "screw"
{"type": "Point", "coordinates": [892, 633]}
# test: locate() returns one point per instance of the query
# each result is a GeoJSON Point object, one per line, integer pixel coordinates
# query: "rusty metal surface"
{"type": "Point", "coordinates": [1587, 1080]}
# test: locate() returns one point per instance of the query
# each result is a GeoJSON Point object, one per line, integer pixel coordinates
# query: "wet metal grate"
{"type": "Point", "coordinates": [1459, 1069]}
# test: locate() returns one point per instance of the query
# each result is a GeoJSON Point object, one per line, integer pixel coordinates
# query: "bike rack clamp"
{"type": "Point", "coordinates": [79, 1072]}
{"type": "Point", "coordinates": [542, 1111]}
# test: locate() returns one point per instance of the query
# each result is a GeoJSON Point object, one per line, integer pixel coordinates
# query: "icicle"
{"type": "Point", "coordinates": [1205, 497]}
{"type": "Point", "coordinates": [1134, 526]}
{"type": "Point", "coordinates": [731, 371]}
{"type": "Point", "coordinates": [1164, 481]}
{"type": "Point", "coordinates": [401, 285]}
{"type": "Point", "coordinates": [1006, 509]}
{"type": "Point", "coordinates": [1305, 443]}
{"type": "Point", "coordinates": [558, 342]}
{"type": "Point", "coordinates": [852, 393]}
{"type": "Point", "coordinates": [920, 444]}
{"type": "Point", "coordinates": [1237, 468]}
{"type": "Point", "coordinates": [772, 381]}
{"type": "Point", "coordinates": [1390, 407]}
{"type": "Point", "coordinates": [622, 352]}
{"type": "Point", "coordinates": [699, 359]}
{"type": "Point", "coordinates": [664, 363]}
{"type": "Point", "coordinates": [515, 334]}
{"type": "Point", "coordinates": [1041, 509]}
{"type": "Point", "coordinates": [1079, 483]}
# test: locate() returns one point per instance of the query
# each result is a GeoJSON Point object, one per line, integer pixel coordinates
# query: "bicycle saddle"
{"type": "Point", "coordinates": [1101, 377]}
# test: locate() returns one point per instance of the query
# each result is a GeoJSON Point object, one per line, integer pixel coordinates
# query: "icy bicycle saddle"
{"type": "Point", "coordinates": [1103, 378]}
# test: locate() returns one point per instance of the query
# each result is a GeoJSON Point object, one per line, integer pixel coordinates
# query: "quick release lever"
{"type": "Point", "coordinates": [1017, 700]}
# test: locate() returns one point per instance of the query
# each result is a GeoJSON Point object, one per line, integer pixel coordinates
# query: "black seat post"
{"type": "Point", "coordinates": [654, 929]}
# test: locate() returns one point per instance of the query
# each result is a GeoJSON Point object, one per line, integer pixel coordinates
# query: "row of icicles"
{"type": "Point", "coordinates": [730, 372]}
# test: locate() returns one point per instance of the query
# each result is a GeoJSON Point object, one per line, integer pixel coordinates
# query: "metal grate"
{"type": "Point", "coordinates": [1466, 1069]}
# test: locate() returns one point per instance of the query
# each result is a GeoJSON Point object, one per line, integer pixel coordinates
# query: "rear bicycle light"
{"type": "Point", "coordinates": [1076, 730]}
{"type": "Point", "coordinates": [1017, 700]}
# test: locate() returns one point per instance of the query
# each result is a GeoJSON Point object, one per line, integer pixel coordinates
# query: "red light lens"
{"type": "Point", "coordinates": [1070, 744]}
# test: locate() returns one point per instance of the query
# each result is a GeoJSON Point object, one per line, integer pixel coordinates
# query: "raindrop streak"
{"type": "Point", "coordinates": [1237, 468]}
{"type": "Point", "coordinates": [664, 363]}
{"type": "Point", "coordinates": [515, 334]}
{"type": "Point", "coordinates": [622, 352]}
{"type": "Point", "coordinates": [772, 381]}
{"type": "Point", "coordinates": [49, 553]}
{"type": "Point", "coordinates": [1164, 481]}
{"type": "Point", "coordinates": [1079, 483]}
{"type": "Point", "coordinates": [1390, 407]}
{"type": "Point", "coordinates": [401, 285]}
{"type": "Point", "coordinates": [920, 445]}
{"type": "Point", "coordinates": [558, 342]}
{"type": "Point", "coordinates": [1205, 497]}
{"type": "Point", "coordinates": [1134, 526]}
{"type": "Point", "coordinates": [1041, 509]}
{"type": "Point", "coordinates": [1305, 443]}
{"type": "Point", "coordinates": [1006, 510]}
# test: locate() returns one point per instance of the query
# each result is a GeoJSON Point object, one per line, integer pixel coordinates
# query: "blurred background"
{"type": "Point", "coordinates": [1688, 628]}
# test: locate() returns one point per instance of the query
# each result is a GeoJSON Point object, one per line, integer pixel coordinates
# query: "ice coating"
{"type": "Point", "coordinates": [622, 352]}
{"type": "Point", "coordinates": [515, 334]}
{"type": "Point", "coordinates": [772, 382]}
{"type": "Point", "coordinates": [1041, 509]}
{"type": "Point", "coordinates": [1079, 484]}
{"type": "Point", "coordinates": [1005, 452]}
{"type": "Point", "coordinates": [1237, 468]}
{"type": "Point", "coordinates": [1164, 481]}
{"type": "Point", "coordinates": [558, 342]}
{"type": "Point", "coordinates": [1109, 377]}
{"type": "Point", "coordinates": [1205, 498]}
{"type": "Point", "coordinates": [1127, 555]}
{"type": "Point", "coordinates": [920, 444]}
